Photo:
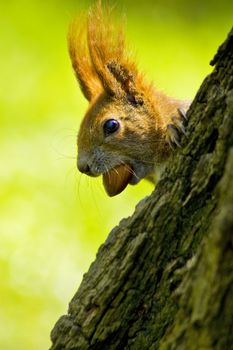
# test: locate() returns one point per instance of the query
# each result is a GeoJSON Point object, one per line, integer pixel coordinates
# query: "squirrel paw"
{"type": "Point", "coordinates": [176, 128]}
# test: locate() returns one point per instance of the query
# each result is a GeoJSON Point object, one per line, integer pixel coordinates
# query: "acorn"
{"type": "Point", "coordinates": [116, 179]}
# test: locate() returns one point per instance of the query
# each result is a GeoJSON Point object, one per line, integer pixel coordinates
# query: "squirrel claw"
{"type": "Point", "coordinates": [172, 136]}
{"type": "Point", "coordinates": [176, 128]}
{"type": "Point", "coordinates": [179, 125]}
{"type": "Point", "coordinates": [182, 113]}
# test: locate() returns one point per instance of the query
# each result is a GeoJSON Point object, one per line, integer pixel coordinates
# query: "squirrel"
{"type": "Point", "coordinates": [130, 128]}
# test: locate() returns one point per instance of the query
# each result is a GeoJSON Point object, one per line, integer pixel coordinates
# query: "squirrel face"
{"type": "Point", "coordinates": [129, 126]}
{"type": "Point", "coordinates": [114, 131]}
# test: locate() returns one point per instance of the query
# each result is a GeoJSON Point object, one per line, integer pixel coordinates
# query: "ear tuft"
{"type": "Point", "coordinates": [105, 43]}
{"type": "Point", "coordinates": [78, 50]}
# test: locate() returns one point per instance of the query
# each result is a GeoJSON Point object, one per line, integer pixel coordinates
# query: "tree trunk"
{"type": "Point", "coordinates": [163, 278]}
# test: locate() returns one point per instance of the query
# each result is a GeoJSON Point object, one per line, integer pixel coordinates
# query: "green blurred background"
{"type": "Point", "coordinates": [52, 219]}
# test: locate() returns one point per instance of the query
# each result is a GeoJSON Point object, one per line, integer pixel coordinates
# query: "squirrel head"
{"type": "Point", "coordinates": [121, 130]}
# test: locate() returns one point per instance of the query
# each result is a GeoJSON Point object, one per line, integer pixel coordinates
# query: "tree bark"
{"type": "Point", "coordinates": [163, 278]}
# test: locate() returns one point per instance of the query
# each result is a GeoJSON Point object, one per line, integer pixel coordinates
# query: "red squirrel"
{"type": "Point", "coordinates": [130, 128]}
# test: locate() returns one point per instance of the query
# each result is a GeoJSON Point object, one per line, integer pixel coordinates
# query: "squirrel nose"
{"type": "Point", "coordinates": [83, 167]}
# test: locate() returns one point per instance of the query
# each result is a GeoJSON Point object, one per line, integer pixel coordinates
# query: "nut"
{"type": "Point", "coordinates": [117, 178]}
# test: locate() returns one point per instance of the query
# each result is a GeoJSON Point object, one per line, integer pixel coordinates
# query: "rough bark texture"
{"type": "Point", "coordinates": [164, 277]}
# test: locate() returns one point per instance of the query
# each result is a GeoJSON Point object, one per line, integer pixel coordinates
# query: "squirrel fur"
{"type": "Point", "coordinates": [145, 124]}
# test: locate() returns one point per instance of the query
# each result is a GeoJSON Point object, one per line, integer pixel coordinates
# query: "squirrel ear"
{"type": "Point", "coordinates": [100, 59]}
{"type": "Point", "coordinates": [78, 50]}
{"type": "Point", "coordinates": [110, 57]}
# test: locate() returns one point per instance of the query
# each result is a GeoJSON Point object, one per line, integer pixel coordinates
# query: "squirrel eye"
{"type": "Point", "coordinates": [110, 126]}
